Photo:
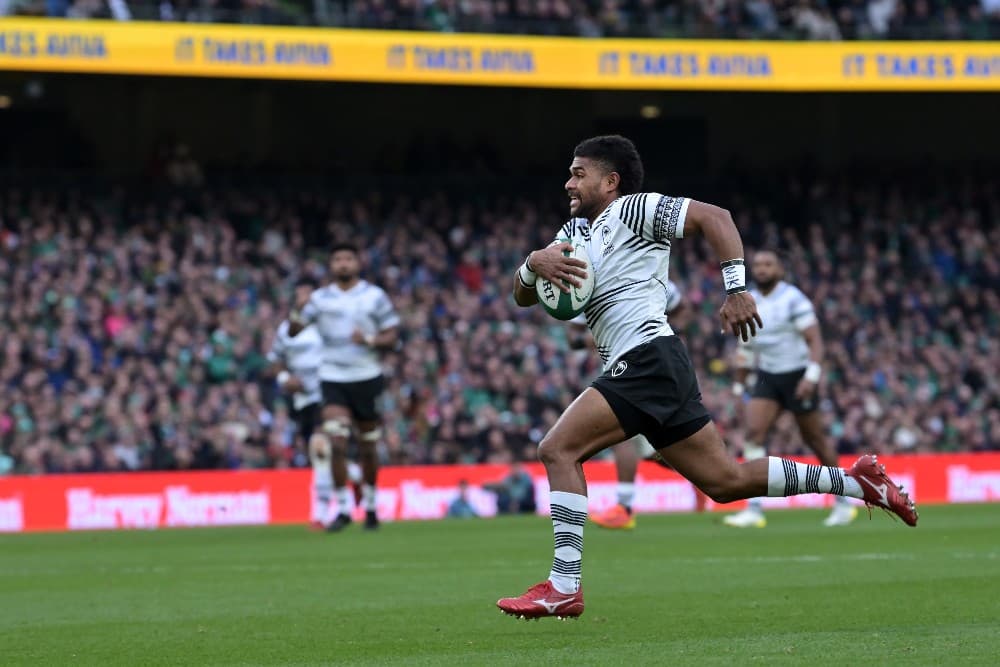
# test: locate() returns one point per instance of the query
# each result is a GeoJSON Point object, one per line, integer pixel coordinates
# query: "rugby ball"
{"type": "Point", "coordinates": [562, 305]}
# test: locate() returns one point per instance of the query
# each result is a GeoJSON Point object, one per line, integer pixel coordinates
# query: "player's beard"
{"type": "Point", "coordinates": [344, 278]}
{"type": "Point", "coordinates": [583, 210]}
{"type": "Point", "coordinates": [766, 285]}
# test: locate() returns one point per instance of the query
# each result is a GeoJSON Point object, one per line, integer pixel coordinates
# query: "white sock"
{"type": "Point", "coordinates": [323, 493]}
{"type": "Point", "coordinates": [790, 478]}
{"type": "Point", "coordinates": [344, 504]}
{"type": "Point", "coordinates": [322, 487]}
{"type": "Point", "coordinates": [368, 497]}
{"type": "Point", "coordinates": [626, 493]}
{"type": "Point", "coordinates": [755, 505]}
{"type": "Point", "coordinates": [569, 514]}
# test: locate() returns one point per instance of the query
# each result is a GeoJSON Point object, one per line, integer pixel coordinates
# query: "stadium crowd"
{"type": "Point", "coordinates": [781, 19]}
{"type": "Point", "coordinates": [135, 330]}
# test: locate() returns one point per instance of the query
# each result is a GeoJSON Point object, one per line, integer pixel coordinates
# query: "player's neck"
{"type": "Point", "coordinates": [604, 207]}
{"type": "Point", "coordinates": [347, 285]}
{"type": "Point", "coordinates": [770, 288]}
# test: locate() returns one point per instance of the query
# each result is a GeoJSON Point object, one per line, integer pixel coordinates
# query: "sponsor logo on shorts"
{"type": "Point", "coordinates": [619, 368]}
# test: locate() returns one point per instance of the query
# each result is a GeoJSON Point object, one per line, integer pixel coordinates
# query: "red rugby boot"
{"type": "Point", "coordinates": [882, 492]}
{"type": "Point", "coordinates": [543, 600]}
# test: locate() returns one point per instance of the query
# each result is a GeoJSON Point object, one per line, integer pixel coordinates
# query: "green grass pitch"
{"type": "Point", "coordinates": [679, 590]}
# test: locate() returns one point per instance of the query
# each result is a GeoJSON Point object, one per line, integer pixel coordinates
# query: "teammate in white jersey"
{"type": "Point", "coordinates": [788, 358]}
{"type": "Point", "coordinates": [649, 385]}
{"type": "Point", "coordinates": [355, 319]}
{"type": "Point", "coordinates": [295, 361]}
{"type": "Point", "coordinates": [628, 454]}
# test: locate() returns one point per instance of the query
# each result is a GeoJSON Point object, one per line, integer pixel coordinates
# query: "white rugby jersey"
{"type": "Point", "coordinates": [337, 314]}
{"type": "Point", "coordinates": [302, 356]}
{"type": "Point", "coordinates": [629, 250]}
{"type": "Point", "coordinates": [674, 298]}
{"type": "Point", "coordinates": [786, 312]}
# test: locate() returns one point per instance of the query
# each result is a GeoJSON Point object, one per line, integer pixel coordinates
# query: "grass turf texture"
{"type": "Point", "coordinates": [678, 590]}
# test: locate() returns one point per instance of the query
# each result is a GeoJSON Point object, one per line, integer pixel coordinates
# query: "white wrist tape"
{"type": "Point", "coordinates": [283, 378]}
{"type": "Point", "coordinates": [813, 372]}
{"type": "Point", "coordinates": [526, 275]}
{"type": "Point", "coordinates": [738, 389]}
{"type": "Point", "coordinates": [734, 276]}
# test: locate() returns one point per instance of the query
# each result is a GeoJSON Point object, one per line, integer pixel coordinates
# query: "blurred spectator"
{"type": "Point", "coordinates": [134, 328]}
{"type": "Point", "coordinates": [741, 19]}
{"type": "Point", "coordinates": [460, 507]}
{"type": "Point", "coordinates": [515, 492]}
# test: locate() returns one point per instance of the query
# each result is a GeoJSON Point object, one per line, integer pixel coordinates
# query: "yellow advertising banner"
{"type": "Point", "coordinates": [171, 49]}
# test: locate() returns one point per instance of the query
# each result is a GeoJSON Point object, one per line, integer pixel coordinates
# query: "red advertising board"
{"type": "Point", "coordinates": [221, 498]}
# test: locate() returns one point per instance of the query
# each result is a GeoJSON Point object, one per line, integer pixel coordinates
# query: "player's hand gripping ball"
{"type": "Point", "coordinates": [555, 271]}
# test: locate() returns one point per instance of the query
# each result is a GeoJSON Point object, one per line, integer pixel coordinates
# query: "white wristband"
{"type": "Point", "coordinates": [813, 372]}
{"type": "Point", "coordinates": [734, 276]}
{"type": "Point", "coordinates": [283, 378]}
{"type": "Point", "coordinates": [738, 389]}
{"type": "Point", "coordinates": [526, 275]}
{"type": "Point", "coordinates": [370, 340]}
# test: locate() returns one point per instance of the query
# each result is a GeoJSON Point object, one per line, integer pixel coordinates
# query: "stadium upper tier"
{"type": "Point", "coordinates": [723, 19]}
{"type": "Point", "coordinates": [136, 326]}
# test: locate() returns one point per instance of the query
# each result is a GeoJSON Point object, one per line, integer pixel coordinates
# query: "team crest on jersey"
{"type": "Point", "coordinates": [606, 238]}
{"type": "Point", "coordinates": [619, 368]}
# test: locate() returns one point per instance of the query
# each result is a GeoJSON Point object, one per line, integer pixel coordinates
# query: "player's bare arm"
{"type": "Point", "coordinates": [739, 312]}
{"type": "Point", "coordinates": [287, 380]}
{"type": "Point", "coordinates": [383, 340]}
{"type": "Point", "coordinates": [814, 339]}
{"type": "Point", "coordinates": [296, 320]}
{"type": "Point", "coordinates": [549, 264]}
{"type": "Point", "coordinates": [742, 363]}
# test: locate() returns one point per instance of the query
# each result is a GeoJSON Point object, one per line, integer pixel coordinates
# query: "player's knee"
{"type": "Point", "coordinates": [552, 451]}
{"type": "Point", "coordinates": [319, 447]}
{"type": "Point", "coordinates": [726, 487]}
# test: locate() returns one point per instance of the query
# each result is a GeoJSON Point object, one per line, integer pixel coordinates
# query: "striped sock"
{"type": "Point", "coordinates": [790, 478]}
{"type": "Point", "coordinates": [569, 513]}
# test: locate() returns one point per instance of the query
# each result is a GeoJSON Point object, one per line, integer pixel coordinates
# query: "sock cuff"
{"type": "Point", "coordinates": [571, 501]}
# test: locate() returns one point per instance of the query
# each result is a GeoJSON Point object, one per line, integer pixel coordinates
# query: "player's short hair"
{"type": "Point", "coordinates": [307, 281]}
{"type": "Point", "coordinates": [779, 255]}
{"type": "Point", "coordinates": [619, 155]}
{"type": "Point", "coordinates": [344, 247]}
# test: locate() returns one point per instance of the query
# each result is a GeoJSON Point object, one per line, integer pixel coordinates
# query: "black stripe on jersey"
{"type": "Point", "coordinates": [594, 318]}
{"type": "Point", "coordinates": [633, 209]}
{"type": "Point", "coordinates": [604, 353]}
{"type": "Point", "coordinates": [650, 327]}
{"type": "Point", "coordinates": [567, 229]}
{"type": "Point", "coordinates": [598, 300]}
{"type": "Point", "coordinates": [639, 243]}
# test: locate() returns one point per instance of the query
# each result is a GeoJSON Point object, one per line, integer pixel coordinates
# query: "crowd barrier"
{"type": "Point", "coordinates": [223, 498]}
{"type": "Point", "coordinates": [184, 49]}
